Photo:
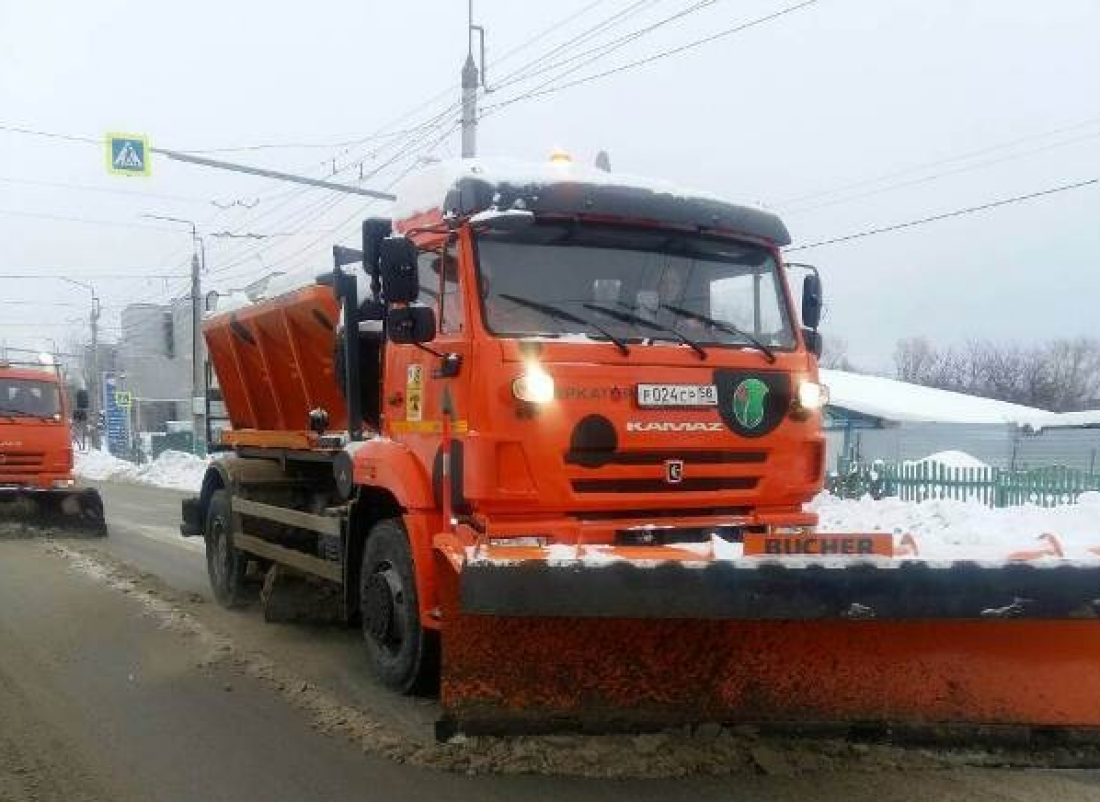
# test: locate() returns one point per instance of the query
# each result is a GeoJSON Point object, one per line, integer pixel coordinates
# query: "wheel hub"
{"type": "Point", "coordinates": [379, 609]}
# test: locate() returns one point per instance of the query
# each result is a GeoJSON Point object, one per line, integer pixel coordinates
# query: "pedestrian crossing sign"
{"type": "Point", "coordinates": [128, 154]}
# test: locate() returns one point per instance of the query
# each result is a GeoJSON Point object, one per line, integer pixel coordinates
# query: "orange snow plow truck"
{"type": "Point", "coordinates": [551, 430]}
{"type": "Point", "coordinates": [37, 488]}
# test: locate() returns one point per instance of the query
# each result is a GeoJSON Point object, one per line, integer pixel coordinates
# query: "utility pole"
{"type": "Point", "coordinates": [471, 80]}
{"type": "Point", "coordinates": [198, 384]}
{"type": "Point", "coordinates": [93, 383]}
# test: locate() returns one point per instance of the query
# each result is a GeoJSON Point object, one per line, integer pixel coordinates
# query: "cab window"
{"type": "Point", "coordinates": [440, 288]}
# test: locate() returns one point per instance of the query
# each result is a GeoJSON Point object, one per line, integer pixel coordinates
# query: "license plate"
{"type": "Point", "coordinates": [677, 395]}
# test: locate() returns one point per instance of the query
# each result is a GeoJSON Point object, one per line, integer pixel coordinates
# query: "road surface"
{"type": "Point", "coordinates": [121, 680]}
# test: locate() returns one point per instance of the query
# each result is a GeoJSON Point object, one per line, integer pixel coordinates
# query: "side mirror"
{"type": "Point", "coordinates": [811, 301]}
{"type": "Point", "coordinates": [814, 342]}
{"type": "Point", "coordinates": [410, 325]}
{"type": "Point", "coordinates": [400, 277]}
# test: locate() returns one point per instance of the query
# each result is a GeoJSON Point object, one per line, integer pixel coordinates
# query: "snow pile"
{"type": "Point", "coordinates": [175, 470]}
{"type": "Point", "coordinates": [968, 530]}
{"type": "Point", "coordinates": [900, 401]}
{"type": "Point", "coordinates": [102, 465]}
{"type": "Point", "coordinates": [172, 469]}
{"type": "Point", "coordinates": [950, 459]}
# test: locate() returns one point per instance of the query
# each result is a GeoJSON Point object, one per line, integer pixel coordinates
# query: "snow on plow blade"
{"type": "Point", "coordinates": [30, 511]}
{"type": "Point", "coordinates": [535, 642]}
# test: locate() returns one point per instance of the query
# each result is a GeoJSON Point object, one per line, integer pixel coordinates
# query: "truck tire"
{"type": "Point", "coordinates": [402, 654]}
{"type": "Point", "coordinates": [225, 564]}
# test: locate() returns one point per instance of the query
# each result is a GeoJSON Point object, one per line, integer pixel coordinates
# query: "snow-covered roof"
{"type": "Point", "coordinates": [900, 401]}
{"type": "Point", "coordinates": [467, 185]}
{"type": "Point", "coordinates": [1088, 417]}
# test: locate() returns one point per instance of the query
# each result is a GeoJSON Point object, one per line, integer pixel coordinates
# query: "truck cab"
{"type": "Point", "coordinates": [35, 442]}
{"type": "Point", "coordinates": [37, 486]}
{"type": "Point", "coordinates": [611, 350]}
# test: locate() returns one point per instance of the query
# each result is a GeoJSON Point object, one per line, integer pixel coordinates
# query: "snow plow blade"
{"type": "Point", "coordinates": [635, 642]}
{"type": "Point", "coordinates": [33, 511]}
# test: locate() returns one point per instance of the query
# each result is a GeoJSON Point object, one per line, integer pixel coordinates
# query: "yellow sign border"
{"type": "Point", "coordinates": [147, 166]}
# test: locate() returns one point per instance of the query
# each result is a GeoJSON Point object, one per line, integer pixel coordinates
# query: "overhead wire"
{"type": "Point", "coordinates": [551, 86]}
{"type": "Point", "coordinates": [797, 210]}
{"type": "Point", "coordinates": [946, 215]}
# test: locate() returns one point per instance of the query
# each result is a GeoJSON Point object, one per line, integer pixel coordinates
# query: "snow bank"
{"type": "Point", "coordinates": [172, 469]}
{"type": "Point", "coordinates": [968, 530]}
{"type": "Point", "coordinates": [950, 459]}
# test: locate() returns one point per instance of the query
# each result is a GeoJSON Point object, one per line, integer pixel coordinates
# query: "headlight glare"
{"type": "Point", "coordinates": [812, 395]}
{"type": "Point", "coordinates": [536, 386]}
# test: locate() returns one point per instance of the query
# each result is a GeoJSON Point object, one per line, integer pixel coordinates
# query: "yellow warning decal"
{"type": "Point", "coordinates": [428, 427]}
{"type": "Point", "coordinates": [414, 393]}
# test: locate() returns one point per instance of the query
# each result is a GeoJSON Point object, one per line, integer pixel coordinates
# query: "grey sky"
{"type": "Point", "coordinates": [826, 96]}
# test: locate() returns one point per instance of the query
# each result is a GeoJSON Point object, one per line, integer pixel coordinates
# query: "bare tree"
{"type": "Point", "coordinates": [835, 354]}
{"type": "Point", "coordinates": [1060, 375]}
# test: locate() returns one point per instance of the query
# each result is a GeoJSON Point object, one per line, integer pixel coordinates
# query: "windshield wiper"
{"type": "Point", "coordinates": [729, 328]}
{"type": "Point", "coordinates": [638, 320]}
{"type": "Point", "coordinates": [563, 314]}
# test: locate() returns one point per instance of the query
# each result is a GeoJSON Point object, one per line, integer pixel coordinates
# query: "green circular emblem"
{"type": "Point", "coordinates": [748, 402]}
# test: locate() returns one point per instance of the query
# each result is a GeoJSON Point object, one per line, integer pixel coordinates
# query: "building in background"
{"type": "Point", "coordinates": [154, 363]}
{"type": "Point", "coordinates": [871, 417]}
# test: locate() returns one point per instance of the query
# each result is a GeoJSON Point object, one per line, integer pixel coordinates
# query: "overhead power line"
{"type": "Point", "coordinates": [958, 157]}
{"type": "Point", "coordinates": [105, 190]}
{"type": "Point", "coordinates": [603, 49]}
{"type": "Point", "coordinates": [31, 273]}
{"type": "Point", "coordinates": [966, 168]}
{"type": "Point", "coordinates": [946, 215]}
{"type": "Point", "coordinates": [85, 220]}
{"type": "Point", "coordinates": [549, 89]}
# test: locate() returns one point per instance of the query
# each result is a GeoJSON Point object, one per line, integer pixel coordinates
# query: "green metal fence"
{"type": "Point", "coordinates": [994, 487]}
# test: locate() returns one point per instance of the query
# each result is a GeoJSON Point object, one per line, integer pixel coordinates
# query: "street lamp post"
{"type": "Point", "coordinates": [198, 391]}
{"type": "Point", "coordinates": [93, 389]}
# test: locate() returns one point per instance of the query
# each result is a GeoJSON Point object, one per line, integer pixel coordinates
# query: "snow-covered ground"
{"type": "Point", "coordinates": [960, 530]}
{"type": "Point", "coordinates": [172, 469]}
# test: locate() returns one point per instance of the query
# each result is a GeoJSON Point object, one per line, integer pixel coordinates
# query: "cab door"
{"type": "Point", "coordinates": [417, 377]}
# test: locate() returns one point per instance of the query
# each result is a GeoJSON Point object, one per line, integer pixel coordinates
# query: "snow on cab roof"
{"type": "Point", "coordinates": [900, 401]}
{"type": "Point", "coordinates": [463, 186]}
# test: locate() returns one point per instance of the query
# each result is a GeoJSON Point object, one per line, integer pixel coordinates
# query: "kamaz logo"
{"type": "Point", "coordinates": [665, 426]}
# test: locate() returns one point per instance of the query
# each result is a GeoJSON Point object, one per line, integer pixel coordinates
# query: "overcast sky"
{"type": "Point", "coordinates": [830, 114]}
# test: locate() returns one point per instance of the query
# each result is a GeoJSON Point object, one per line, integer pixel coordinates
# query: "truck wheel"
{"type": "Point", "coordinates": [403, 654]}
{"type": "Point", "coordinates": [225, 564]}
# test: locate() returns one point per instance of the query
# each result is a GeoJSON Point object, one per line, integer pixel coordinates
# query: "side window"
{"type": "Point", "coordinates": [428, 267]}
{"type": "Point", "coordinates": [452, 309]}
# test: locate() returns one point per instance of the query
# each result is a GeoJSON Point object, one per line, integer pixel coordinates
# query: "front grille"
{"type": "Point", "coordinates": [695, 485]}
{"type": "Point", "coordinates": [21, 462]}
{"type": "Point", "coordinates": [678, 512]}
{"type": "Point", "coordinates": [590, 458]}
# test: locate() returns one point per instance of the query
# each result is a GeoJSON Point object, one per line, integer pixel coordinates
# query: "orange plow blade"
{"type": "Point", "coordinates": [533, 642]}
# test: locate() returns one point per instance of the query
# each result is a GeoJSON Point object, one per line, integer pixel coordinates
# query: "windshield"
{"type": "Point", "coordinates": [710, 290]}
{"type": "Point", "coordinates": [29, 398]}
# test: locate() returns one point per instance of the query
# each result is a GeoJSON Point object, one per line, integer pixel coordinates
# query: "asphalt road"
{"type": "Point", "coordinates": [108, 692]}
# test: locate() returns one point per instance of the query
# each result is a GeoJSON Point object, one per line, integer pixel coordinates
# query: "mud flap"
{"type": "Point", "coordinates": [31, 511]}
{"type": "Point", "coordinates": [535, 647]}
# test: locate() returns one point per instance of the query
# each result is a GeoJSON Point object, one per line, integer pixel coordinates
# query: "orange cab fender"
{"type": "Point", "coordinates": [391, 466]}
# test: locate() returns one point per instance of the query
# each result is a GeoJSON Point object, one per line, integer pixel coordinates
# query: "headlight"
{"type": "Point", "coordinates": [63, 484]}
{"type": "Point", "coordinates": [812, 395]}
{"type": "Point", "coordinates": [536, 386]}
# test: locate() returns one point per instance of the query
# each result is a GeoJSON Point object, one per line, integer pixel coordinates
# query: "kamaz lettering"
{"type": "Point", "coordinates": [666, 426]}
